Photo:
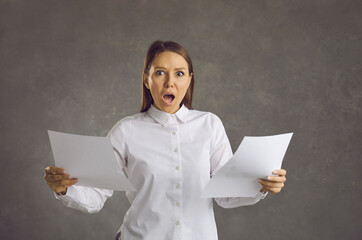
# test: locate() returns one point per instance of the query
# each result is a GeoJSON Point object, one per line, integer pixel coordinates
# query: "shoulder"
{"type": "Point", "coordinates": [209, 117]}
{"type": "Point", "coordinates": [126, 123]}
{"type": "Point", "coordinates": [132, 118]}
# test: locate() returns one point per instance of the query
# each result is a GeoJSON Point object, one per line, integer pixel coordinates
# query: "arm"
{"type": "Point", "coordinates": [221, 152]}
{"type": "Point", "coordinates": [85, 199]}
{"type": "Point", "coordinates": [89, 199]}
{"type": "Point", "coordinates": [234, 202]}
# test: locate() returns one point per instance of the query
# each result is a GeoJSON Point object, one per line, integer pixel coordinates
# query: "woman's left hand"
{"type": "Point", "coordinates": [274, 184]}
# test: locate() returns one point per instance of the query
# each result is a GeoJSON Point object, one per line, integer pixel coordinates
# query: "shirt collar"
{"type": "Point", "coordinates": [163, 117]}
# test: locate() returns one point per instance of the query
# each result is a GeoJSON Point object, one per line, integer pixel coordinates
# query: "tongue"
{"type": "Point", "coordinates": [168, 98]}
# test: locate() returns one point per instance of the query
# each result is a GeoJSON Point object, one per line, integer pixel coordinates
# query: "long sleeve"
{"type": "Point", "coordinates": [89, 199]}
{"type": "Point", "coordinates": [221, 152]}
{"type": "Point", "coordinates": [85, 199]}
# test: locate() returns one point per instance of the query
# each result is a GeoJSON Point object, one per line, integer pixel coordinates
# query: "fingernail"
{"type": "Point", "coordinates": [269, 178]}
{"type": "Point", "coordinates": [259, 180]}
{"type": "Point", "coordinates": [275, 172]}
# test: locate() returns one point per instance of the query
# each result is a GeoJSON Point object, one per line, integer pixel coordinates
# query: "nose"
{"type": "Point", "coordinates": [169, 81]}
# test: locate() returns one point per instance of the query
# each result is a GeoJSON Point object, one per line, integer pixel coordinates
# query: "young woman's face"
{"type": "Point", "coordinates": [168, 81]}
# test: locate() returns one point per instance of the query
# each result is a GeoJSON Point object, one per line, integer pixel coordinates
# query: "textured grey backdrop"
{"type": "Point", "coordinates": [264, 67]}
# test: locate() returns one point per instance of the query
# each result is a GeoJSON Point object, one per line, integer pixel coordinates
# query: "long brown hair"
{"type": "Point", "coordinates": [158, 47]}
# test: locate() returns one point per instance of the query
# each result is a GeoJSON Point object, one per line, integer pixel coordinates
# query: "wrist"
{"type": "Point", "coordinates": [62, 192]}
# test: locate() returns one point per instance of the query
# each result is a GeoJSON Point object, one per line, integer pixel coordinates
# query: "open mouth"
{"type": "Point", "coordinates": [168, 98]}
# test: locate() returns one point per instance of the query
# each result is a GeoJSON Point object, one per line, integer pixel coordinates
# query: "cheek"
{"type": "Point", "coordinates": [182, 91]}
{"type": "Point", "coordinates": [185, 86]}
{"type": "Point", "coordinates": [156, 83]}
{"type": "Point", "coordinates": [155, 90]}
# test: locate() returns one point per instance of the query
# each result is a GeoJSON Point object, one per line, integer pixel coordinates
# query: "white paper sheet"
{"type": "Point", "coordinates": [91, 159]}
{"type": "Point", "coordinates": [256, 157]}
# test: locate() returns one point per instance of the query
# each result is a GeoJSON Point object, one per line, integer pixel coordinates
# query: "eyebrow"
{"type": "Point", "coordinates": [182, 68]}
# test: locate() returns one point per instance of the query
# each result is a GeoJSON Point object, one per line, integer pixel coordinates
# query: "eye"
{"type": "Point", "coordinates": [180, 73]}
{"type": "Point", "coordinates": [159, 72]}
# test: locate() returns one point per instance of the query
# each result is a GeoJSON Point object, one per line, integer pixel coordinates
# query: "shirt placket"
{"type": "Point", "coordinates": [177, 173]}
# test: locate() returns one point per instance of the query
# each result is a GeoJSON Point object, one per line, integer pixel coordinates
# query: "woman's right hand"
{"type": "Point", "coordinates": [58, 180]}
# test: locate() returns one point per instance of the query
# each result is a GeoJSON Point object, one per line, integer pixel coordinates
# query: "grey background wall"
{"type": "Point", "coordinates": [264, 67]}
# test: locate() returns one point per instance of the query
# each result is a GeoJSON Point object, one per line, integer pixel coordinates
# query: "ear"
{"type": "Point", "coordinates": [145, 81]}
{"type": "Point", "coordinates": [190, 77]}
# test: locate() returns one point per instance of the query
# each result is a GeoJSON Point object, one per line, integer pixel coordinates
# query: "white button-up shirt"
{"type": "Point", "coordinates": [169, 158]}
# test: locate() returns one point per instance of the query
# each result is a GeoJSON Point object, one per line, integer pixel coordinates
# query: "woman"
{"type": "Point", "coordinates": [170, 152]}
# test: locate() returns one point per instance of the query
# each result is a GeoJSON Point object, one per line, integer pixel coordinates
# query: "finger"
{"type": "Point", "coordinates": [275, 179]}
{"type": "Point", "coordinates": [54, 170]}
{"type": "Point", "coordinates": [280, 172]}
{"type": "Point", "coordinates": [272, 190]}
{"type": "Point", "coordinates": [56, 177]}
{"type": "Point", "coordinates": [65, 182]}
{"type": "Point", "coordinates": [271, 184]}
{"type": "Point", "coordinates": [72, 182]}
{"type": "Point", "coordinates": [62, 188]}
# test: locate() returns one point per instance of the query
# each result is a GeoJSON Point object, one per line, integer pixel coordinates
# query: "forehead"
{"type": "Point", "coordinates": [169, 60]}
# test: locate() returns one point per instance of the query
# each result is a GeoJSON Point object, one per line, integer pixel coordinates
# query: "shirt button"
{"type": "Point", "coordinates": [177, 168]}
{"type": "Point", "coordinates": [177, 204]}
{"type": "Point", "coordinates": [175, 150]}
{"type": "Point", "coordinates": [177, 222]}
{"type": "Point", "coordinates": [178, 186]}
